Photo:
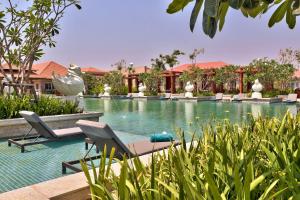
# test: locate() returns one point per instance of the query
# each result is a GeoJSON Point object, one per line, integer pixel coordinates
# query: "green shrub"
{"type": "Point", "coordinates": [258, 160]}
{"type": "Point", "coordinates": [10, 107]}
{"type": "Point", "coordinates": [204, 93]}
{"type": "Point", "coordinates": [121, 90]}
{"type": "Point", "coordinates": [274, 93]}
{"type": "Point", "coordinates": [98, 89]}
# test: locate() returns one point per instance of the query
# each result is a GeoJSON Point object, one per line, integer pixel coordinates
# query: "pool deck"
{"type": "Point", "coordinates": [64, 188]}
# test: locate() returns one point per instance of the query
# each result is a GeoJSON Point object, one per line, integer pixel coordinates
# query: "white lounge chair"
{"type": "Point", "coordinates": [238, 97]}
{"type": "Point", "coordinates": [218, 97]}
{"type": "Point", "coordinates": [176, 96]}
{"type": "Point", "coordinates": [166, 96]}
{"type": "Point", "coordinates": [292, 98]}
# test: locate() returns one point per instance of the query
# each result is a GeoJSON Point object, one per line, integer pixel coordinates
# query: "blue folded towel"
{"type": "Point", "coordinates": [161, 137]}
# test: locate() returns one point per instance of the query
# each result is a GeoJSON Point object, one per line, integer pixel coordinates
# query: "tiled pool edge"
{"type": "Point", "coordinates": [17, 127]}
{"type": "Point", "coordinates": [69, 187]}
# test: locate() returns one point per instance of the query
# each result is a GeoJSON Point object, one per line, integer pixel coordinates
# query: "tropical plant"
{"type": "Point", "coordinates": [204, 93]}
{"type": "Point", "coordinates": [151, 79]}
{"type": "Point", "coordinates": [270, 72]}
{"type": "Point", "coordinates": [120, 65]}
{"type": "Point", "coordinates": [289, 56]}
{"type": "Point", "coordinates": [256, 160]}
{"type": "Point", "coordinates": [215, 11]}
{"type": "Point", "coordinates": [194, 54]}
{"type": "Point", "coordinates": [225, 75]}
{"type": "Point", "coordinates": [10, 106]}
{"type": "Point", "coordinates": [24, 31]}
{"type": "Point", "coordinates": [91, 84]}
{"type": "Point", "coordinates": [172, 59]}
{"type": "Point", "coordinates": [199, 77]}
{"type": "Point", "coordinates": [115, 80]}
{"type": "Point", "coordinates": [158, 63]}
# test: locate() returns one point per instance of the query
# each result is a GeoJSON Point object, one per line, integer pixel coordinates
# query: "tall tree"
{"type": "Point", "coordinates": [158, 63]}
{"type": "Point", "coordinates": [270, 72]}
{"type": "Point", "coordinates": [193, 56]}
{"type": "Point", "coordinates": [25, 31]}
{"type": "Point", "coordinates": [172, 59]}
{"type": "Point", "coordinates": [120, 65]}
{"type": "Point", "coordinates": [289, 56]}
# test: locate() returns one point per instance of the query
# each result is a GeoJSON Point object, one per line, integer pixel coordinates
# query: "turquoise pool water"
{"type": "Point", "coordinates": [147, 117]}
{"type": "Point", "coordinates": [141, 118]}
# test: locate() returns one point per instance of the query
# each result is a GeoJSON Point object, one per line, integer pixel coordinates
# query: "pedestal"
{"type": "Point", "coordinates": [256, 95]}
{"type": "Point", "coordinates": [188, 95]}
{"type": "Point", "coordinates": [141, 94]}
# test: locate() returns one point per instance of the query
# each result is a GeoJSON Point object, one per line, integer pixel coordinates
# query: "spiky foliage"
{"type": "Point", "coordinates": [258, 160]}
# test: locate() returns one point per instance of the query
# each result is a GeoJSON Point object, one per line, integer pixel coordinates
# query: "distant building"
{"type": "Point", "coordinates": [133, 75]}
{"type": "Point", "coordinates": [204, 66]}
{"type": "Point", "coordinates": [42, 76]}
{"type": "Point", "coordinates": [295, 83]}
{"type": "Point", "coordinates": [92, 71]}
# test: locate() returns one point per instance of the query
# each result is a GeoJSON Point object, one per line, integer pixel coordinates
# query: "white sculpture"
{"type": "Point", "coordinates": [71, 84]}
{"type": "Point", "coordinates": [142, 89]}
{"type": "Point", "coordinates": [257, 88]}
{"type": "Point", "coordinates": [107, 90]}
{"type": "Point", "coordinates": [189, 88]}
{"type": "Point", "coordinates": [7, 89]}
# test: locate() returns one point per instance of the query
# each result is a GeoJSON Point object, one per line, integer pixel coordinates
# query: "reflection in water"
{"type": "Point", "coordinates": [107, 105]}
{"type": "Point", "coordinates": [293, 109]}
{"type": "Point", "coordinates": [147, 117]}
{"type": "Point", "coordinates": [189, 111]}
{"type": "Point", "coordinates": [141, 105]}
{"type": "Point", "coordinates": [256, 110]}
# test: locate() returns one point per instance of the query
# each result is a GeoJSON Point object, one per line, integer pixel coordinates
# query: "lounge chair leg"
{"type": "Point", "coordinates": [9, 144]}
{"type": "Point", "coordinates": [86, 146]}
{"type": "Point", "coordinates": [97, 150]}
{"type": "Point", "coordinates": [64, 169]}
{"type": "Point", "coordinates": [22, 149]}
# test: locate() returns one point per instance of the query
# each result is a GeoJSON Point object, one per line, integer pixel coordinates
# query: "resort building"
{"type": "Point", "coordinates": [295, 84]}
{"type": "Point", "coordinates": [42, 76]}
{"type": "Point", "coordinates": [131, 77]}
{"type": "Point", "coordinates": [93, 71]}
{"type": "Point", "coordinates": [171, 82]}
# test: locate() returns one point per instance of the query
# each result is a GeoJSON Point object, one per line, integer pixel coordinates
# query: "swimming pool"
{"type": "Point", "coordinates": [43, 162]}
{"type": "Point", "coordinates": [146, 117]}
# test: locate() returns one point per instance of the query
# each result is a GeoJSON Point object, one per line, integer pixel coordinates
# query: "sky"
{"type": "Point", "coordinates": [106, 31]}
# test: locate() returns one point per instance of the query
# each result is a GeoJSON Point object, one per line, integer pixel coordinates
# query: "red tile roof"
{"type": "Point", "coordinates": [297, 73]}
{"type": "Point", "coordinates": [45, 70]}
{"type": "Point", "coordinates": [92, 70]}
{"type": "Point", "coordinates": [206, 65]}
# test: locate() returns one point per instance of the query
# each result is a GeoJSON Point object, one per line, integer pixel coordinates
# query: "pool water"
{"type": "Point", "coordinates": [41, 162]}
{"type": "Point", "coordinates": [139, 118]}
{"type": "Point", "coordinates": [146, 117]}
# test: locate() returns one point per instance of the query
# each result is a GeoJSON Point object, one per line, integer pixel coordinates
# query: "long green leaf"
{"type": "Point", "coordinates": [278, 14]}
{"type": "Point", "coordinates": [195, 13]}
{"type": "Point", "coordinates": [177, 5]}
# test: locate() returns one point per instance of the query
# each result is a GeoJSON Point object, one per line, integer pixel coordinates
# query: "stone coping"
{"type": "Point", "coordinates": [263, 100]}
{"type": "Point", "coordinates": [19, 126]}
{"type": "Point", "coordinates": [197, 99]}
{"type": "Point", "coordinates": [51, 118]}
{"type": "Point", "coordinates": [147, 98]}
{"type": "Point", "coordinates": [69, 187]}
